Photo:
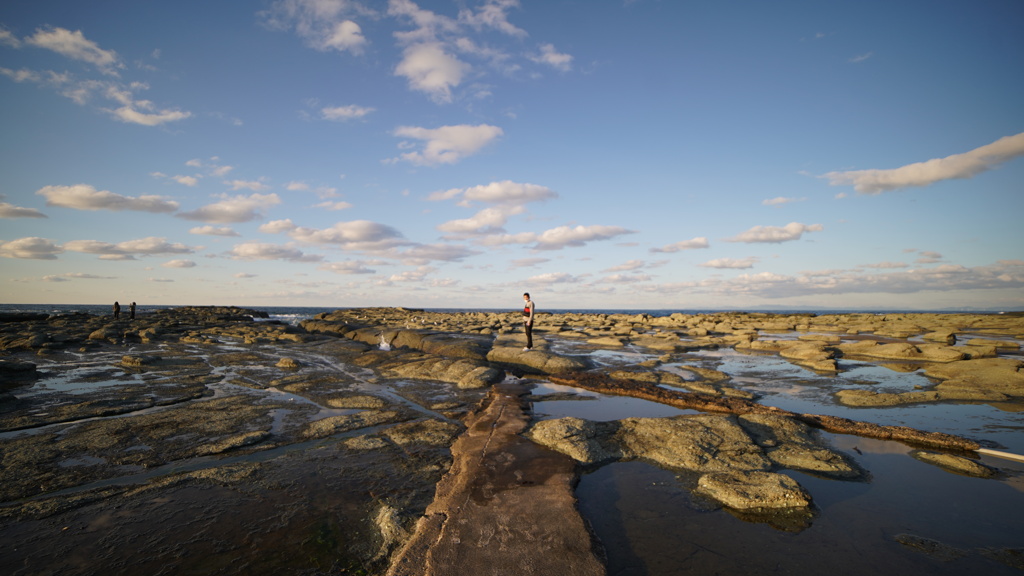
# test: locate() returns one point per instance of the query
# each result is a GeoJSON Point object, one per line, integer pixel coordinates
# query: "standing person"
{"type": "Point", "coordinates": [131, 311]}
{"type": "Point", "coordinates": [117, 310]}
{"type": "Point", "coordinates": [528, 310]}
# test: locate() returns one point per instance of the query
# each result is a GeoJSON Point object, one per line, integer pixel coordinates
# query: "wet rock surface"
{"type": "Point", "coordinates": [208, 436]}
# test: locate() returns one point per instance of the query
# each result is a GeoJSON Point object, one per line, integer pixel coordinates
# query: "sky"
{"type": "Point", "coordinates": [641, 154]}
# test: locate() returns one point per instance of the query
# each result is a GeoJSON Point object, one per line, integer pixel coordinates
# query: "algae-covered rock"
{"type": "Point", "coordinates": [753, 489]}
{"type": "Point", "coordinates": [956, 464]}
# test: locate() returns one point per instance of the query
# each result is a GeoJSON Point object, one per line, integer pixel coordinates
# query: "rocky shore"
{"type": "Point", "coordinates": [371, 440]}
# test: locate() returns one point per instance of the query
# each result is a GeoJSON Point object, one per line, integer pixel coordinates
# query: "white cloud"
{"type": "Point", "coordinates": [263, 251]}
{"type": "Point", "coordinates": [345, 112]}
{"type": "Point", "coordinates": [554, 278]}
{"type": "Point", "coordinates": [731, 263]}
{"type": "Point", "coordinates": [861, 57]}
{"type": "Point", "coordinates": [430, 69]}
{"type": "Point", "coordinates": [74, 45]}
{"type": "Point", "coordinates": [486, 221]}
{"type": "Point", "coordinates": [557, 60]}
{"type": "Point", "coordinates": [296, 186]}
{"type": "Point", "coordinates": [493, 14]}
{"type": "Point", "coordinates": [323, 24]}
{"type": "Point", "coordinates": [130, 115]}
{"type": "Point", "coordinates": [7, 38]}
{"type": "Point", "coordinates": [627, 266]}
{"type": "Point", "coordinates": [12, 211]}
{"type": "Point", "coordinates": [779, 200]}
{"type": "Point", "coordinates": [417, 275]}
{"type": "Point", "coordinates": [33, 248]}
{"type": "Point", "coordinates": [85, 197]}
{"type": "Point", "coordinates": [421, 254]}
{"type": "Point", "coordinates": [1005, 274]}
{"type": "Point", "coordinates": [213, 231]}
{"type": "Point", "coordinates": [179, 264]}
{"type": "Point", "coordinates": [129, 249]}
{"type": "Point", "coordinates": [233, 210]}
{"type": "Point", "coordinates": [186, 180]}
{"type": "Point", "coordinates": [776, 234]}
{"type": "Point", "coordinates": [558, 238]}
{"type": "Point", "coordinates": [692, 244]}
{"type": "Point", "coordinates": [68, 276]}
{"type": "Point", "coordinates": [347, 267]}
{"type": "Point", "coordinates": [935, 170]}
{"type": "Point", "coordinates": [625, 279]}
{"type": "Point", "coordinates": [504, 192]}
{"type": "Point", "coordinates": [357, 235]}
{"type": "Point", "coordinates": [334, 206]}
{"type": "Point", "coordinates": [527, 262]}
{"type": "Point", "coordinates": [885, 265]}
{"type": "Point", "coordinates": [253, 185]}
{"type": "Point", "coordinates": [447, 144]}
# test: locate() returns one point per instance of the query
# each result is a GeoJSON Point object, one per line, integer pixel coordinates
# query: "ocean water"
{"type": "Point", "coordinates": [295, 314]}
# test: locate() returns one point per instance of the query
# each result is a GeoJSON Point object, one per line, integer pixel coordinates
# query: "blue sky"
{"type": "Point", "coordinates": [637, 154]}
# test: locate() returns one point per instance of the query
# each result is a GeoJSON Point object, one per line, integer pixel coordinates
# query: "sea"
{"type": "Point", "coordinates": [296, 314]}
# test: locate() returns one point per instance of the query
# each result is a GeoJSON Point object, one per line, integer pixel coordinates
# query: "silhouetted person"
{"type": "Point", "coordinates": [117, 310]}
{"type": "Point", "coordinates": [131, 311]}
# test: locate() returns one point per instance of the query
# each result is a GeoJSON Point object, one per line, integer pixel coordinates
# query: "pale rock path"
{"type": "Point", "coordinates": [506, 506]}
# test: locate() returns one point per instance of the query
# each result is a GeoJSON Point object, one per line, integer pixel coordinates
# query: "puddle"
{"type": "Point", "coordinates": [650, 525]}
{"type": "Point", "coordinates": [597, 407]}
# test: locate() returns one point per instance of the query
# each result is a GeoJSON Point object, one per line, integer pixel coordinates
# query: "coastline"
{"type": "Point", "coordinates": [211, 409]}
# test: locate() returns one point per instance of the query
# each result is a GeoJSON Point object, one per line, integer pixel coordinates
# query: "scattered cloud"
{"type": "Point", "coordinates": [779, 200]}
{"type": "Point", "coordinates": [557, 60]}
{"type": "Point", "coordinates": [252, 185]}
{"type": "Point", "coordinates": [233, 210]}
{"type": "Point", "coordinates": [7, 38]}
{"type": "Point", "coordinates": [558, 238]}
{"type": "Point", "coordinates": [493, 14]}
{"type": "Point", "coordinates": [554, 278]}
{"type": "Point", "coordinates": [127, 250]}
{"type": "Point", "coordinates": [342, 113]}
{"type": "Point", "coordinates": [85, 197]}
{"type": "Point", "coordinates": [69, 276]}
{"type": "Point", "coordinates": [732, 263]}
{"type": "Point", "coordinates": [692, 244]}
{"type": "Point", "coordinates": [527, 262]}
{"type": "Point", "coordinates": [357, 235]}
{"type": "Point", "coordinates": [627, 266]}
{"type": "Point", "coordinates": [885, 265]}
{"type": "Point", "coordinates": [323, 24]}
{"type": "Point", "coordinates": [957, 166]}
{"type": "Point", "coordinates": [12, 211]}
{"type": "Point", "coordinates": [503, 192]}
{"type": "Point", "coordinates": [179, 264]}
{"type": "Point", "coordinates": [421, 254]}
{"type": "Point", "coordinates": [775, 234]}
{"type": "Point", "coordinates": [486, 221]}
{"type": "Point", "coordinates": [1004, 274]}
{"type": "Point", "coordinates": [213, 231]}
{"type": "Point", "coordinates": [861, 57]}
{"type": "Point", "coordinates": [76, 46]}
{"type": "Point", "coordinates": [447, 144]}
{"type": "Point", "coordinates": [32, 248]}
{"type": "Point", "coordinates": [334, 206]}
{"type": "Point", "coordinates": [347, 267]}
{"type": "Point", "coordinates": [264, 251]}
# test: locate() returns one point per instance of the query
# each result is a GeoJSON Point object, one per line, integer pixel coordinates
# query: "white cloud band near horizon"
{"type": "Point", "coordinates": [918, 174]}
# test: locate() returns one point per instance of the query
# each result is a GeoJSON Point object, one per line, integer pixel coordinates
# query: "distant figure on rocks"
{"type": "Point", "coordinates": [528, 309]}
{"type": "Point", "coordinates": [131, 311]}
{"type": "Point", "coordinates": [117, 310]}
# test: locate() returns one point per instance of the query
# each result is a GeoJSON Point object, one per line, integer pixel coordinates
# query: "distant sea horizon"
{"type": "Point", "coordinates": [295, 314]}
